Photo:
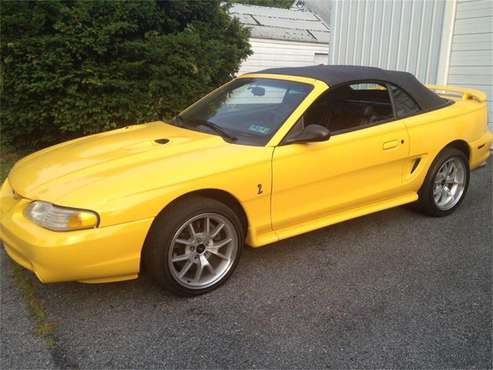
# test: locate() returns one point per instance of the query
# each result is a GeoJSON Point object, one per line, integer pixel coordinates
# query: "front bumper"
{"type": "Point", "coordinates": [104, 254]}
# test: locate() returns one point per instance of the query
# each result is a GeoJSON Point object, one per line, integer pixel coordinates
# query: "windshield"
{"type": "Point", "coordinates": [247, 110]}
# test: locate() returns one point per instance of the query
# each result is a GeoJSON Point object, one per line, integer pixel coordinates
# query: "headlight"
{"type": "Point", "coordinates": [59, 218]}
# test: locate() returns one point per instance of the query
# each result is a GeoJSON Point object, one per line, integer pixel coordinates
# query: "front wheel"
{"type": "Point", "coordinates": [195, 246]}
{"type": "Point", "coordinates": [445, 184]}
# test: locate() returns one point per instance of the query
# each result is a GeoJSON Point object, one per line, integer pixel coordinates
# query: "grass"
{"type": "Point", "coordinates": [25, 285]}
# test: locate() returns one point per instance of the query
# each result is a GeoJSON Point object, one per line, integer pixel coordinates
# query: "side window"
{"type": "Point", "coordinates": [404, 104]}
{"type": "Point", "coordinates": [350, 107]}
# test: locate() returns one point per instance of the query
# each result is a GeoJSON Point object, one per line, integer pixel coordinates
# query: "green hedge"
{"type": "Point", "coordinates": [77, 67]}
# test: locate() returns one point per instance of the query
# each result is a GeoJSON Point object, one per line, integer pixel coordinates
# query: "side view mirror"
{"type": "Point", "coordinates": [311, 133]}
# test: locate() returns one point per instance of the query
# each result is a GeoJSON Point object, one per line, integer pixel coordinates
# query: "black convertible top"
{"type": "Point", "coordinates": [335, 75]}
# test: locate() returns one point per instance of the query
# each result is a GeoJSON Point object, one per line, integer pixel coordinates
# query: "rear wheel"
{"type": "Point", "coordinates": [446, 183]}
{"type": "Point", "coordinates": [195, 246]}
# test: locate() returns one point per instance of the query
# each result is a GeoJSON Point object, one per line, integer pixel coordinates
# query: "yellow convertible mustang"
{"type": "Point", "coordinates": [265, 157]}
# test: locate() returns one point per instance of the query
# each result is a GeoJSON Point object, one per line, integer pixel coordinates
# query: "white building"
{"type": "Point", "coordinates": [445, 42]}
{"type": "Point", "coordinates": [282, 37]}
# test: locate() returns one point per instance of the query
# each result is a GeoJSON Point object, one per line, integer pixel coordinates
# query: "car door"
{"type": "Point", "coordinates": [356, 166]}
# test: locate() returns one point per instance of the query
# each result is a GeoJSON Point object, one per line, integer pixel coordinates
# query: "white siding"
{"type": "Point", "coordinates": [276, 53]}
{"type": "Point", "coordinates": [471, 55]}
{"type": "Point", "coordinates": [392, 34]}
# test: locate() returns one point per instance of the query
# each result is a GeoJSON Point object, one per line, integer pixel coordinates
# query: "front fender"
{"type": "Point", "coordinates": [242, 182]}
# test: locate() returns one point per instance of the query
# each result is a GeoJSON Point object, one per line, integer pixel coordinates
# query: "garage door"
{"type": "Point", "coordinates": [471, 57]}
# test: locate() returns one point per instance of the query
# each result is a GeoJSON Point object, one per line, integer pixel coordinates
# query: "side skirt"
{"type": "Point", "coordinates": [340, 216]}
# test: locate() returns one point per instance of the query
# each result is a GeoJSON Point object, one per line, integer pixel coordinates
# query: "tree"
{"type": "Point", "coordinates": [272, 3]}
{"type": "Point", "coordinates": [75, 67]}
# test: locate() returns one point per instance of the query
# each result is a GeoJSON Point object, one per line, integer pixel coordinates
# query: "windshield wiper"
{"type": "Point", "coordinates": [214, 127]}
{"type": "Point", "coordinates": [178, 120]}
{"type": "Point", "coordinates": [200, 122]}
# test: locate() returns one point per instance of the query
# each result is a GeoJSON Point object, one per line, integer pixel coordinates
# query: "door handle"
{"type": "Point", "coordinates": [390, 144]}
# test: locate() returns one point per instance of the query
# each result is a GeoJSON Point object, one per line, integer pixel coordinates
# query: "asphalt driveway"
{"type": "Point", "coordinates": [394, 289]}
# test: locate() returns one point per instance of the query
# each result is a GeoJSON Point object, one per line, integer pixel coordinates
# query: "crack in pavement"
{"type": "Point", "coordinates": [18, 295]}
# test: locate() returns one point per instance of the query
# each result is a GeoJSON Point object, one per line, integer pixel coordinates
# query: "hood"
{"type": "Point", "coordinates": [55, 171]}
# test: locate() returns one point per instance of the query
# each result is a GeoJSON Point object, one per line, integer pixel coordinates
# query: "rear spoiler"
{"type": "Point", "coordinates": [458, 93]}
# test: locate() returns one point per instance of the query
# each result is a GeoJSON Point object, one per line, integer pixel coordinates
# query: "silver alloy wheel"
{"type": "Point", "coordinates": [203, 250]}
{"type": "Point", "coordinates": [449, 183]}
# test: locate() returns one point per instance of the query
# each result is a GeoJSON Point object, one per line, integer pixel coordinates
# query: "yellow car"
{"type": "Point", "coordinates": [265, 157]}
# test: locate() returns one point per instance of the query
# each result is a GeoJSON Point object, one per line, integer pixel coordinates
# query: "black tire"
{"type": "Point", "coordinates": [426, 202]}
{"type": "Point", "coordinates": [158, 242]}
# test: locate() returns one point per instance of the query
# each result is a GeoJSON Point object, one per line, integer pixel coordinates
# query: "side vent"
{"type": "Point", "coordinates": [161, 141]}
{"type": "Point", "coordinates": [415, 164]}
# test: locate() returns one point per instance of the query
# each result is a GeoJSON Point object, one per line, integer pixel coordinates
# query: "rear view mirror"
{"type": "Point", "coordinates": [311, 133]}
{"type": "Point", "coordinates": [257, 91]}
